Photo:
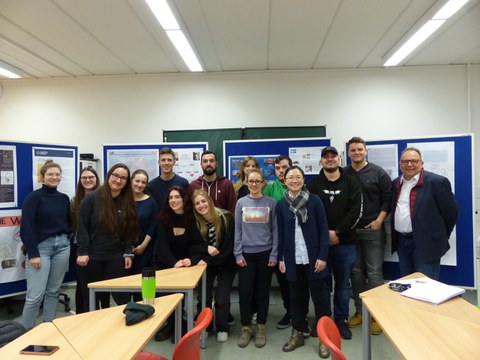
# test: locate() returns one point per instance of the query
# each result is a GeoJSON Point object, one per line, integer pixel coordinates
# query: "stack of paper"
{"type": "Point", "coordinates": [429, 290]}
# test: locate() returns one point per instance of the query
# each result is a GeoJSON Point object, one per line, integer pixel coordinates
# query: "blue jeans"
{"type": "Point", "coordinates": [367, 272]}
{"type": "Point", "coordinates": [410, 261]}
{"type": "Point", "coordinates": [44, 283]}
{"type": "Point", "coordinates": [341, 259]}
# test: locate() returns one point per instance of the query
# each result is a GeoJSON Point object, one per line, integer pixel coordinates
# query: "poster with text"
{"type": "Point", "coordinates": [308, 158]}
{"type": "Point", "coordinates": [266, 163]}
{"type": "Point", "coordinates": [11, 256]}
{"type": "Point", "coordinates": [146, 159]}
{"type": "Point", "coordinates": [66, 158]}
{"type": "Point", "coordinates": [188, 163]}
{"type": "Point", "coordinates": [8, 176]}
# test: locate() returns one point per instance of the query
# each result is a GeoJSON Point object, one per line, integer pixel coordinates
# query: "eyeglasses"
{"type": "Point", "coordinates": [254, 182]}
{"type": "Point", "coordinates": [118, 177]}
{"type": "Point", "coordinates": [298, 178]}
{"type": "Point", "coordinates": [399, 287]}
{"type": "Point", "coordinates": [414, 162]}
{"type": "Point", "coordinates": [87, 178]}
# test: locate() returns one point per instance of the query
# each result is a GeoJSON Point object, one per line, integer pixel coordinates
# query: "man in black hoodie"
{"type": "Point", "coordinates": [342, 198]}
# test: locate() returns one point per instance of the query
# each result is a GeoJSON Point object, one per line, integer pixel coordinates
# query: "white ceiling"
{"type": "Point", "coordinates": [70, 38]}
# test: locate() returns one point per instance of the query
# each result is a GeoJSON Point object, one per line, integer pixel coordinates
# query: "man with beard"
{"type": "Point", "coordinates": [342, 198]}
{"type": "Point", "coordinates": [159, 186]}
{"type": "Point", "coordinates": [218, 187]}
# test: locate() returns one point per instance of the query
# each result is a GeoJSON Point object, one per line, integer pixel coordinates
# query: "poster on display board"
{"type": "Point", "coordinates": [67, 160]}
{"type": "Point", "coordinates": [146, 156]}
{"type": "Point", "coordinates": [11, 255]}
{"type": "Point", "coordinates": [8, 176]}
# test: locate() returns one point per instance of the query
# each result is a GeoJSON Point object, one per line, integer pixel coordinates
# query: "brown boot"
{"type": "Point", "coordinates": [260, 337]}
{"type": "Point", "coordinates": [294, 341]}
{"type": "Point", "coordinates": [245, 336]}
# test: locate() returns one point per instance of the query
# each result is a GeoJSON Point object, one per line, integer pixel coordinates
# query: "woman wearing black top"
{"type": "Point", "coordinates": [178, 242]}
{"type": "Point", "coordinates": [107, 230]}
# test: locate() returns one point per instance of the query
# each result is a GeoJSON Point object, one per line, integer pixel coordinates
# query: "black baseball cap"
{"type": "Point", "coordinates": [327, 149]}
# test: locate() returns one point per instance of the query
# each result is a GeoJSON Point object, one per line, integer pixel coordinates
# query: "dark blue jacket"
{"type": "Point", "coordinates": [315, 232]}
{"type": "Point", "coordinates": [434, 214]}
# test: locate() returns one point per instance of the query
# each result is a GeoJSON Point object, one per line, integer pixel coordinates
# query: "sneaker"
{"type": "Point", "coordinates": [163, 334]}
{"type": "Point", "coordinates": [245, 337]}
{"type": "Point", "coordinates": [285, 322]}
{"type": "Point", "coordinates": [355, 320]}
{"type": "Point", "coordinates": [344, 330]}
{"type": "Point", "coordinates": [254, 319]}
{"type": "Point", "coordinates": [375, 328]}
{"type": "Point", "coordinates": [323, 351]}
{"type": "Point", "coordinates": [294, 341]}
{"type": "Point", "coordinates": [222, 336]}
{"type": "Point", "coordinates": [230, 320]}
{"type": "Point", "coordinates": [260, 338]}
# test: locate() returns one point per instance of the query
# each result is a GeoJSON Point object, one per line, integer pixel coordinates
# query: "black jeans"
{"type": "Point", "coordinates": [224, 275]}
{"type": "Point", "coordinates": [257, 274]}
{"type": "Point", "coordinates": [300, 297]}
{"type": "Point", "coordinates": [98, 270]}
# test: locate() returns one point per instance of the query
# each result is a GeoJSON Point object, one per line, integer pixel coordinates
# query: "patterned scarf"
{"type": "Point", "coordinates": [297, 205]}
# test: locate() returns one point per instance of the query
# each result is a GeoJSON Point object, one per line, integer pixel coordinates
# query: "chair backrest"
{"type": "Point", "coordinates": [329, 335]}
{"type": "Point", "coordinates": [188, 347]}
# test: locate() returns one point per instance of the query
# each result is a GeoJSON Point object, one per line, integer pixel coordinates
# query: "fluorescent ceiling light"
{"type": "Point", "coordinates": [420, 36]}
{"type": "Point", "coordinates": [450, 8]}
{"type": "Point", "coordinates": [183, 47]}
{"type": "Point", "coordinates": [9, 71]}
{"type": "Point", "coordinates": [164, 14]}
{"type": "Point", "coordinates": [165, 17]}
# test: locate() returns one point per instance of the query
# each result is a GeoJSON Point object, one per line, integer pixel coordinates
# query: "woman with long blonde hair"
{"type": "Point", "coordinates": [217, 229]}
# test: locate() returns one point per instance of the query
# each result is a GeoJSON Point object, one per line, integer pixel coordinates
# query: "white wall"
{"type": "Point", "coordinates": [374, 104]}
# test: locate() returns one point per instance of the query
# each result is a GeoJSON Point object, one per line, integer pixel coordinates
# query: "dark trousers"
{"type": "Point", "coordinates": [300, 292]}
{"type": "Point", "coordinates": [255, 278]}
{"type": "Point", "coordinates": [284, 288]}
{"type": "Point", "coordinates": [98, 270]}
{"type": "Point", "coordinates": [81, 291]}
{"type": "Point", "coordinates": [224, 275]}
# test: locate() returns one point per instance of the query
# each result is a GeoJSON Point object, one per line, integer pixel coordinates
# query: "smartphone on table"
{"type": "Point", "coordinates": [39, 350]}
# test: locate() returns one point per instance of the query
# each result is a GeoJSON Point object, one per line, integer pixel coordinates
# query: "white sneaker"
{"type": "Point", "coordinates": [222, 336]}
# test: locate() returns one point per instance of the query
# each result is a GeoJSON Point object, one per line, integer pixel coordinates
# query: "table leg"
{"type": "Point", "coordinates": [367, 337]}
{"type": "Point", "coordinates": [178, 322]}
{"type": "Point", "coordinates": [189, 301]}
{"type": "Point", "coordinates": [91, 296]}
{"type": "Point", "coordinates": [203, 338]}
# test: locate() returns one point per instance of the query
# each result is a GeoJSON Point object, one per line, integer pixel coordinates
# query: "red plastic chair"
{"type": "Point", "coordinates": [330, 336]}
{"type": "Point", "coordinates": [188, 348]}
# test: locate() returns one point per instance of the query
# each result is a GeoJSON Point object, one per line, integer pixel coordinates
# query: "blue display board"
{"type": "Point", "coordinates": [463, 274]}
{"type": "Point", "coordinates": [24, 161]}
{"type": "Point", "coordinates": [304, 151]}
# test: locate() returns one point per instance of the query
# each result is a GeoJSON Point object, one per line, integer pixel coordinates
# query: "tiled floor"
{"type": "Point", "coordinates": [381, 346]}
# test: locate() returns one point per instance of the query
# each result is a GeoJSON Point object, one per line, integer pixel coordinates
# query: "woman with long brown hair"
{"type": "Point", "coordinates": [107, 230]}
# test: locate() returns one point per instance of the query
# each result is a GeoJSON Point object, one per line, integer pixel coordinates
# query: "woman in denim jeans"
{"type": "Point", "coordinates": [45, 232]}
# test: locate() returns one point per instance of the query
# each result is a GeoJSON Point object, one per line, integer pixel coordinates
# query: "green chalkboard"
{"type": "Point", "coordinates": [289, 132]}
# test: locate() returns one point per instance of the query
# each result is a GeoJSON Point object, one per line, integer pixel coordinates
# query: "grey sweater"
{"type": "Point", "coordinates": [255, 227]}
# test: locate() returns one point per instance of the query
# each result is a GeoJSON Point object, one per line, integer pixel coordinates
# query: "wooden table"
{"type": "Point", "coordinates": [172, 280]}
{"type": "Point", "coordinates": [419, 329]}
{"type": "Point", "coordinates": [43, 334]}
{"type": "Point", "coordinates": [102, 334]}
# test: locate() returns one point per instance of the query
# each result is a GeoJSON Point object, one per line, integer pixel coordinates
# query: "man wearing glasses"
{"type": "Point", "coordinates": [342, 199]}
{"type": "Point", "coordinates": [424, 213]}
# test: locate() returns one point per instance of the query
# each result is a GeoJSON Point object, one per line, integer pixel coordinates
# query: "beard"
{"type": "Point", "coordinates": [209, 171]}
{"type": "Point", "coordinates": [330, 170]}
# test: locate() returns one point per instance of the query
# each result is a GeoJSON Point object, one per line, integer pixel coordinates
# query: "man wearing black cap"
{"type": "Point", "coordinates": [342, 198]}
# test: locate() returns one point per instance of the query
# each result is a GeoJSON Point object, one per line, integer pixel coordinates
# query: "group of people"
{"type": "Point", "coordinates": [304, 233]}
